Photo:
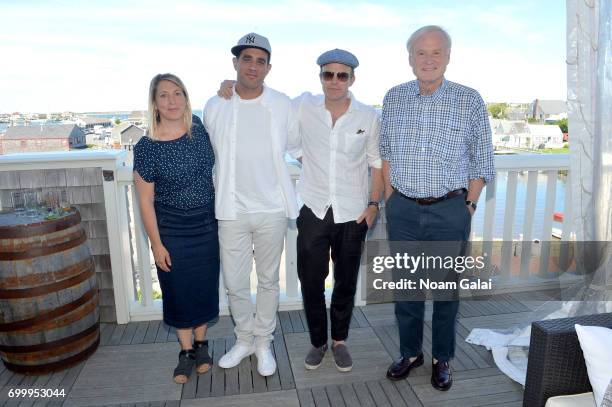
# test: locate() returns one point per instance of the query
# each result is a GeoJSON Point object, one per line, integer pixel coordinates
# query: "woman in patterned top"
{"type": "Point", "coordinates": [173, 176]}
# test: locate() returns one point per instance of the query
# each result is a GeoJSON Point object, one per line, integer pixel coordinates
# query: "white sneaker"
{"type": "Point", "coordinates": [266, 365]}
{"type": "Point", "coordinates": [235, 356]}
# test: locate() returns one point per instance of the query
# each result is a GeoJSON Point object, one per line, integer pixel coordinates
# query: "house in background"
{"type": "Point", "coordinates": [518, 134]}
{"type": "Point", "coordinates": [510, 133]}
{"type": "Point", "coordinates": [22, 139]}
{"type": "Point", "coordinates": [91, 124]}
{"type": "Point", "coordinates": [554, 118]}
{"type": "Point", "coordinates": [138, 118]}
{"type": "Point", "coordinates": [541, 110]}
{"type": "Point", "coordinates": [545, 136]}
{"type": "Point", "coordinates": [127, 135]}
{"type": "Point", "coordinates": [517, 111]}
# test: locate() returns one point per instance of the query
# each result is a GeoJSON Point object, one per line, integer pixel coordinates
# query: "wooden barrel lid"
{"type": "Point", "coordinates": [13, 226]}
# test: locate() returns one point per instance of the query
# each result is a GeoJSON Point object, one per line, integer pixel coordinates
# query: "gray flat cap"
{"type": "Point", "coordinates": [252, 40]}
{"type": "Point", "coordinates": [339, 56]}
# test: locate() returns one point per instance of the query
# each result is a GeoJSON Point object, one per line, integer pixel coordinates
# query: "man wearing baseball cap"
{"type": "Point", "coordinates": [254, 196]}
{"type": "Point", "coordinates": [339, 141]}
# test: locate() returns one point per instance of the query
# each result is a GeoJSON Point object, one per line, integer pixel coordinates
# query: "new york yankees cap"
{"type": "Point", "coordinates": [252, 40]}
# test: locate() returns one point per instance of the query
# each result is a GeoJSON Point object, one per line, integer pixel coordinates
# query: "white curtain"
{"type": "Point", "coordinates": [589, 79]}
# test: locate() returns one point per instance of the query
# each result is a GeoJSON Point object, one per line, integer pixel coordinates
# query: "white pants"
{"type": "Point", "coordinates": [262, 235]}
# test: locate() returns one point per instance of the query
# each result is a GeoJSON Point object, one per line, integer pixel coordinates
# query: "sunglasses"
{"type": "Point", "coordinates": [328, 76]}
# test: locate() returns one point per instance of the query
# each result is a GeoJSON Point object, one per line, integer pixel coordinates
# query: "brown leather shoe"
{"type": "Point", "coordinates": [441, 376]}
{"type": "Point", "coordinates": [401, 368]}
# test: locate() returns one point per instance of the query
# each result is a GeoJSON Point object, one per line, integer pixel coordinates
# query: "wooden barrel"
{"type": "Point", "coordinates": [49, 317]}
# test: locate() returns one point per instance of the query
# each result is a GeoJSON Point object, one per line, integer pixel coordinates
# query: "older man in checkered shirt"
{"type": "Point", "coordinates": [435, 143]}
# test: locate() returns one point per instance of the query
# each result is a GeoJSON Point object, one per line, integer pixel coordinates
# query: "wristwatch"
{"type": "Point", "coordinates": [374, 203]}
{"type": "Point", "coordinates": [472, 204]}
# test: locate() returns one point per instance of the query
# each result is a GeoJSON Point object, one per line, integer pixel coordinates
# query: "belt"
{"type": "Point", "coordinates": [431, 200]}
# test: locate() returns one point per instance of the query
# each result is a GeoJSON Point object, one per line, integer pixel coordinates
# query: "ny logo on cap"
{"type": "Point", "coordinates": [250, 39]}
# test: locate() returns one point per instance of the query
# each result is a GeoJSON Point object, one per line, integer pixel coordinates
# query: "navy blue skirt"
{"type": "Point", "coordinates": [190, 291]}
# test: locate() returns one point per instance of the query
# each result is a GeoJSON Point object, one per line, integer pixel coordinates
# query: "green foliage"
{"type": "Point", "coordinates": [498, 110]}
{"type": "Point", "coordinates": [117, 122]}
{"type": "Point", "coordinates": [532, 120]}
{"type": "Point", "coordinates": [156, 295]}
{"type": "Point", "coordinates": [564, 150]}
{"type": "Point", "coordinates": [562, 125]}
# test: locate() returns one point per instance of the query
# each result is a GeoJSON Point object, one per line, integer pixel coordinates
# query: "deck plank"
{"type": "Point", "coordinates": [162, 333]}
{"type": "Point", "coordinates": [320, 397]}
{"type": "Point", "coordinates": [245, 379]}
{"type": "Point", "coordinates": [141, 331]}
{"type": "Point", "coordinates": [305, 398]}
{"type": "Point", "coordinates": [296, 321]}
{"type": "Point", "coordinates": [285, 322]}
{"type": "Point", "coordinates": [217, 386]}
{"type": "Point", "coordinates": [378, 394]}
{"type": "Point", "coordinates": [259, 382]}
{"type": "Point", "coordinates": [410, 398]}
{"type": "Point", "coordinates": [106, 331]}
{"type": "Point", "coordinates": [273, 382]}
{"type": "Point", "coordinates": [283, 364]}
{"type": "Point", "coordinates": [126, 374]}
{"type": "Point", "coordinates": [334, 396]}
{"type": "Point", "coordinates": [128, 334]}
{"type": "Point", "coordinates": [232, 385]}
{"type": "Point", "coordinates": [348, 395]}
{"type": "Point", "coordinates": [117, 334]}
{"type": "Point", "coordinates": [364, 395]}
{"type": "Point", "coordinates": [360, 317]}
{"type": "Point", "coordinates": [151, 332]}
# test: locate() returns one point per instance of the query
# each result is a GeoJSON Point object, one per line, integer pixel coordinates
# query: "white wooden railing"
{"type": "Point", "coordinates": [131, 260]}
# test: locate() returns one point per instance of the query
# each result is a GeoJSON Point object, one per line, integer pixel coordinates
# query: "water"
{"type": "Point", "coordinates": [519, 217]}
{"type": "Point", "coordinates": [123, 116]}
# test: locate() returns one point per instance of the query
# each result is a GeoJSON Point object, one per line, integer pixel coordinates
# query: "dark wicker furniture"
{"type": "Point", "coordinates": [556, 365]}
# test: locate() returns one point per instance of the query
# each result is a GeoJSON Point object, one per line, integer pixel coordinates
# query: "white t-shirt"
{"type": "Point", "coordinates": [257, 188]}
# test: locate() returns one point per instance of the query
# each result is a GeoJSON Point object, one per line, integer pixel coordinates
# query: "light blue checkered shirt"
{"type": "Point", "coordinates": [436, 143]}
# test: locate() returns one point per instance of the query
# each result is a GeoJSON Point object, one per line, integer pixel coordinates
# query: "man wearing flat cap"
{"type": "Point", "coordinates": [254, 196]}
{"type": "Point", "coordinates": [339, 141]}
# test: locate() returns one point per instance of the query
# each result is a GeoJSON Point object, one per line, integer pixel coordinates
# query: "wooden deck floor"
{"type": "Point", "coordinates": [134, 364]}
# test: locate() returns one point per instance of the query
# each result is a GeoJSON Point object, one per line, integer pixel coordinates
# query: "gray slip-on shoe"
{"type": "Point", "coordinates": [342, 358]}
{"type": "Point", "coordinates": [315, 357]}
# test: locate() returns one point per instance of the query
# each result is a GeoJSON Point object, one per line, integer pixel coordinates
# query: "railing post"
{"type": "Point", "coordinates": [116, 223]}
{"type": "Point", "coordinates": [527, 243]}
{"type": "Point", "coordinates": [142, 253]}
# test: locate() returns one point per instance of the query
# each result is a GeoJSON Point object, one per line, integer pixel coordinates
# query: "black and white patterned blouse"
{"type": "Point", "coordinates": [181, 169]}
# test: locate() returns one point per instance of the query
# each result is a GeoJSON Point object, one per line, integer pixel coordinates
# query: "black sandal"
{"type": "Point", "coordinates": [203, 361]}
{"type": "Point", "coordinates": [185, 366]}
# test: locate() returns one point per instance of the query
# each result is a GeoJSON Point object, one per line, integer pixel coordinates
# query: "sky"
{"type": "Point", "coordinates": [101, 55]}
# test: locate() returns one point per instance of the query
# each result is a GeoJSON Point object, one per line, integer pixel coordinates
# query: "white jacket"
{"type": "Point", "coordinates": [221, 120]}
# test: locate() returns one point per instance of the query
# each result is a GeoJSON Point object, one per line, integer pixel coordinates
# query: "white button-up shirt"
{"type": "Point", "coordinates": [335, 157]}
{"type": "Point", "coordinates": [221, 118]}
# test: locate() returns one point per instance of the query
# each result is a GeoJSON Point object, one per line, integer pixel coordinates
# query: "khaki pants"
{"type": "Point", "coordinates": [260, 235]}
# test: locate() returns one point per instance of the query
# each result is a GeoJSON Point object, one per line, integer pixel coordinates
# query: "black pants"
{"type": "Point", "coordinates": [315, 239]}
